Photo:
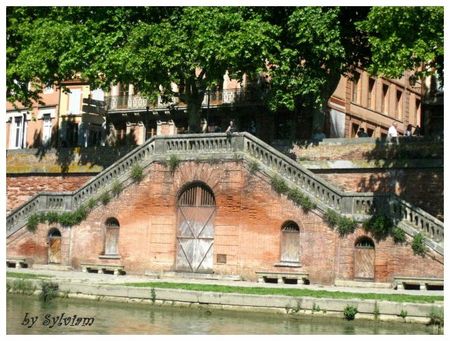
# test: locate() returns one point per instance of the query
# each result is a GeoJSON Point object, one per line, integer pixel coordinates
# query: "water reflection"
{"type": "Point", "coordinates": [127, 318]}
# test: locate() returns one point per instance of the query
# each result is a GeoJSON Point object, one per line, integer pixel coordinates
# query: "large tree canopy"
{"type": "Point", "coordinates": [307, 48]}
{"type": "Point", "coordinates": [405, 38]}
{"type": "Point", "coordinates": [148, 47]}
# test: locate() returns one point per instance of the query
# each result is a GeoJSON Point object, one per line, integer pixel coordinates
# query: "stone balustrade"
{"type": "Point", "coordinates": [222, 145]}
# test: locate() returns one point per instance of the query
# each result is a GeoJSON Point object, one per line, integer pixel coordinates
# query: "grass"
{"type": "Point", "coordinates": [26, 275]}
{"type": "Point", "coordinates": [290, 292]}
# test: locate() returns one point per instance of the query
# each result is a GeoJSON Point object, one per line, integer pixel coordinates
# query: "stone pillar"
{"type": "Point", "coordinates": [166, 128]}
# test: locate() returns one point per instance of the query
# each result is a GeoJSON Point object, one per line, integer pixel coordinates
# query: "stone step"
{"type": "Point", "coordinates": [52, 267]}
{"type": "Point", "coordinates": [361, 284]}
{"type": "Point", "coordinates": [192, 275]}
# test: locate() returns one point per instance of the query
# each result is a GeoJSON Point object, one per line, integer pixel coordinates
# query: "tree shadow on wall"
{"type": "Point", "coordinates": [69, 154]}
{"type": "Point", "coordinates": [411, 168]}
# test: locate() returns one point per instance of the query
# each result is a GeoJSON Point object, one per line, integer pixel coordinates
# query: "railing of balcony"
{"type": "Point", "coordinates": [239, 96]}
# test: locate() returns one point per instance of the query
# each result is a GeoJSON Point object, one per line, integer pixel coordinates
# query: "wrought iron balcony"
{"type": "Point", "coordinates": [212, 98]}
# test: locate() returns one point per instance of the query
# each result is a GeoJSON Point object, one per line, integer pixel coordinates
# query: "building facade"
{"type": "Point", "coordinates": [373, 103]}
{"type": "Point", "coordinates": [36, 126]}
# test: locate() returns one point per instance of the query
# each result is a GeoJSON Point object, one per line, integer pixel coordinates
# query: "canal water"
{"type": "Point", "coordinates": [77, 316]}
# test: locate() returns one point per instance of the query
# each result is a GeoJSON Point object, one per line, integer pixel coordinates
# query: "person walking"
{"type": "Point", "coordinates": [231, 128]}
{"type": "Point", "coordinates": [392, 133]}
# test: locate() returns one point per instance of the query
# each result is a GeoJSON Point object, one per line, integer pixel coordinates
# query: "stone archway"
{"type": "Point", "coordinates": [196, 210]}
{"type": "Point", "coordinates": [54, 246]}
{"type": "Point", "coordinates": [364, 259]}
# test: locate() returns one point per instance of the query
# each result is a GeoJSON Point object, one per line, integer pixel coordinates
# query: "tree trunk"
{"type": "Point", "coordinates": [194, 99]}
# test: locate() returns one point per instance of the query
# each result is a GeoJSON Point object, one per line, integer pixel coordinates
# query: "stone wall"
{"type": "Point", "coordinates": [247, 227]}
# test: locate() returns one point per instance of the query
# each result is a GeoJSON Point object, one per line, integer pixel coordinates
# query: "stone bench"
{"type": "Point", "coordinates": [299, 278]}
{"type": "Point", "coordinates": [16, 263]}
{"type": "Point", "coordinates": [423, 283]}
{"type": "Point", "coordinates": [102, 268]}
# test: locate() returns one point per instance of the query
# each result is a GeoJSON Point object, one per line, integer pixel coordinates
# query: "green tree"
{"type": "Point", "coordinates": [149, 47]}
{"type": "Point", "coordinates": [194, 48]}
{"type": "Point", "coordinates": [405, 38]}
{"type": "Point", "coordinates": [318, 45]}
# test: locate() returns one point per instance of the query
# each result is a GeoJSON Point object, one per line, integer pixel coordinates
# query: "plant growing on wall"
{"type": "Point", "coordinates": [278, 185]}
{"type": "Point", "coordinates": [398, 235]}
{"type": "Point", "coordinates": [173, 163]}
{"type": "Point", "coordinates": [296, 196]}
{"type": "Point", "coordinates": [418, 245]}
{"type": "Point", "coordinates": [342, 224]}
{"type": "Point", "coordinates": [116, 188]}
{"type": "Point", "coordinates": [137, 173]}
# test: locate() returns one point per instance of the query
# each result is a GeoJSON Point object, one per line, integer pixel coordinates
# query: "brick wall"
{"type": "Point", "coordinates": [20, 188]}
{"type": "Point", "coordinates": [247, 227]}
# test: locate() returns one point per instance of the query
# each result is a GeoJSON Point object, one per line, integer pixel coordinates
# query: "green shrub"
{"type": "Point", "coordinates": [116, 188]}
{"type": "Point", "coordinates": [52, 217]}
{"type": "Point", "coordinates": [137, 173]}
{"type": "Point", "coordinates": [346, 225]}
{"type": "Point", "coordinates": [398, 235]}
{"type": "Point", "coordinates": [49, 291]}
{"type": "Point", "coordinates": [105, 198]}
{"type": "Point", "coordinates": [21, 286]}
{"type": "Point", "coordinates": [33, 222]}
{"type": "Point", "coordinates": [278, 185]}
{"type": "Point", "coordinates": [436, 316]}
{"type": "Point", "coordinates": [350, 312]}
{"type": "Point", "coordinates": [296, 196]}
{"type": "Point", "coordinates": [418, 244]}
{"type": "Point", "coordinates": [253, 167]}
{"type": "Point", "coordinates": [79, 215]}
{"type": "Point", "coordinates": [66, 219]}
{"type": "Point", "coordinates": [342, 224]}
{"type": "Point", "coordinates": [379, 225]}
{"type": "Point", "coordinates": [331, 217]}
{"type": "Point", "coordinates": [403, 314]}
{"type": "Point", "coordinates": [173, 162]}
{"type": "Point", "coordinates": [91, 203]}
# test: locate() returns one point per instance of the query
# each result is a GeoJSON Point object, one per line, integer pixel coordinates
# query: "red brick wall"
{"type": "Point", "coordinates": [20, 188]}
{"type": "Point", "coordinates": [247, 229]}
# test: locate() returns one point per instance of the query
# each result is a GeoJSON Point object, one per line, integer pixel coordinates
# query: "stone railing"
{"type": "Point", "coordinates": [325, 195]}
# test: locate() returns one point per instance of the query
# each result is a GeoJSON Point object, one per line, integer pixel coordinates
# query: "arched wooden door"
{"type": "Point", "coordinates": [54, 246]}
{"type": "Point", "coordinates": [195, 229]}
{"type": "Point", "coordinates": [364, 259]}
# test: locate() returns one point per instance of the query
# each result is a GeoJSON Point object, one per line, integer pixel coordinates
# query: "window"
{"type": "Point", "coordinates": [371, 94]}
{"type": "Point", "coordinates": [355, 85]}
{"type": "Point", "coordinates": [385, 100]}
{"type": "Point", "coordinates": [74, 101]}
{"type": "Point", "coordinates": [399, 104]}
{"type": "Point", "coordinates": [16, 132]}
{"type": "Point", "coordinates": [111, 237]}
{"type": "Point", "coordinates": [46, 129]}
{"type": "Point", "coordinates": [290, 243]}
{"type": "Point", "coordinates": [418, 109]}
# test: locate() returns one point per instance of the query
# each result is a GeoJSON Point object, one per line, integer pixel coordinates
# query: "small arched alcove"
{"type": "Point", "coordinates": [290, 243]}
{"type": "Point", "coordinates": [112, 227]}
{"type": "Point", "coordinates": [54, 246]}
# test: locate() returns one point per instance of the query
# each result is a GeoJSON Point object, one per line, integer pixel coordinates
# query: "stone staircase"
{"type": "Point", "coordinates": [238, 147]}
